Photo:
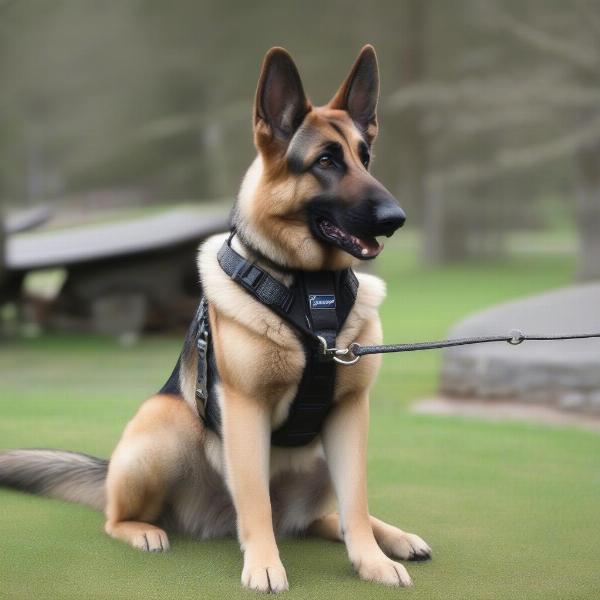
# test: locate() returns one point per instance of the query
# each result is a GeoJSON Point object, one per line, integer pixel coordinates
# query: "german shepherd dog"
{"type": "Point", "coordinates": [308, 202]}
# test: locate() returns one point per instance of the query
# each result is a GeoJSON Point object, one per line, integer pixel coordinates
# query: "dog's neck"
{"type": "Point", "coordinates": [245, 249]}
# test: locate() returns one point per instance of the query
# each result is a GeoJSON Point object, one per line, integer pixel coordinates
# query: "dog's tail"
{"type": "Point", "coordinates": [57, 474]}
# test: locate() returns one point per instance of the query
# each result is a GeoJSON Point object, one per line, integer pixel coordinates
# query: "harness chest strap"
{"type": "Point", "coordinates": [316, 306]}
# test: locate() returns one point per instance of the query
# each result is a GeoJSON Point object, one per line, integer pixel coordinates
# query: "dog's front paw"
{"type": "Point", "coordinates": [405, 546]}
{"type": "Point", "coordinates": [383, 570]}
{"type": "Point", "coordinates": [269, 578]}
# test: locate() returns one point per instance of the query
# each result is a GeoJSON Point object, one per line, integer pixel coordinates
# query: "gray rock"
{"type": "Point", "coordinates": [565, 374]}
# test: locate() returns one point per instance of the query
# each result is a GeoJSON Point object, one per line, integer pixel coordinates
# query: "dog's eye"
{"type": "Point", "coordinates": [325, 161]}
{"type": "Point", "coordinates": [363, 153]}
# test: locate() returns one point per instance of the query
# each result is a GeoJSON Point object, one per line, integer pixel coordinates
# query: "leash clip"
{"type": "Point", "coordinates": [335, 353]}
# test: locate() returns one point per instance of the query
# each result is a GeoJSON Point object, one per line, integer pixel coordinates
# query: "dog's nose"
{"type": "Point", "coordinates": [388, 217]}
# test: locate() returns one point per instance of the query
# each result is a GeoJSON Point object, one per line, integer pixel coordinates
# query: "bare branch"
{"type": "Point", "coordinates": [548, 43]}
{"type": "Point", "coordinates": [176, 124]}
{"type": "Point", "coordinates": [519, 158]}
{"type": "Point", "coordinates": [590, 17]}
{"type": "Point", "coordinates": [495, 92]}
{"type": "Point", "coordinates": [478, 122]}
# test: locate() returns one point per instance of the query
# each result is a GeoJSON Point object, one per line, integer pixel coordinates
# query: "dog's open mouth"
{"type": "Point", "coordinates": [364, 248]}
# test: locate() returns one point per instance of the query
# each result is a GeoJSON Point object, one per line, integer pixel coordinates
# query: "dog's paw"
{"type": "Point", "coordinates": [151, 540]}
{"type": "Point", "coordinates": [143, 536]}
{"type": "Point", "coordinates": [270, 579]}
{"type": "Point", "coordinates": [405, 546]}
{"type": "Point", "coordinates": [383, 570]}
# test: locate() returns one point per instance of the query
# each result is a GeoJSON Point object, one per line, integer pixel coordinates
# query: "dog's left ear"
{"type": "Point", "coordinates": [358, 95]}
{"type": "Point", "coordinates": [280, 105]}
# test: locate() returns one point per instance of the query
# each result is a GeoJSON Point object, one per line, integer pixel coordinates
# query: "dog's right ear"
{"type": "Point", "coordinates": [280, 105]}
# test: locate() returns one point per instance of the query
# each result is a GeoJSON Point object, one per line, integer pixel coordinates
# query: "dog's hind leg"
{"type": "Point", "coordinates": [327, 527]}
{"type": "Point", "coordinates": [393, 541]}
{"type": "Point", "coordinates": [150, 458]}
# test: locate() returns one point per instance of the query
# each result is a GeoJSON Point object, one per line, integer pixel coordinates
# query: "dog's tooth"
{"type": "Point", "coordinates": [364, 251]}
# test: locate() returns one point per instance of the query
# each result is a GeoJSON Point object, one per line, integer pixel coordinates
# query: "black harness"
{"type": "Point", "coordinates": [316, 307]}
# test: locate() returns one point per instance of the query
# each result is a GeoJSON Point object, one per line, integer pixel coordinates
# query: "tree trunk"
{"type": "Point", "coordinates": [427, 203]}
{"type": "Point", "coordinates": [433, 230]}
{"type": "Point", "coordinates": [588, 212]}
{"type": "Point", "coordinates": [216, 156]}
{"type": "Point", "coordinates": [2, 242]}
{"type": "Point", "coordinates": [2, 272]}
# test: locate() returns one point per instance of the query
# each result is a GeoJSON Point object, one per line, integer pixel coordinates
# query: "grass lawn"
{"type": "Point", "coordinates": [512, 511]}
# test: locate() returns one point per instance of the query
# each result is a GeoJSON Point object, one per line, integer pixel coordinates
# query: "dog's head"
{"type": "Point", "coordinates": [309, 201]}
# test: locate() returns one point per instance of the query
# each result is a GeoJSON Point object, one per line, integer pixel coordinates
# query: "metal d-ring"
{"type": "Point", "coordinates": [346, 362]}
{"type": "Point", "coordinates": [335, 353]}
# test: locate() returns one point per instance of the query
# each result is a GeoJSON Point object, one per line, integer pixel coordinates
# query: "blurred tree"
{"type": "Point", "coordinates": [3, 163]}
{"type": "Point", "coordinates": [572, 39]}
{"type": "Point", "coordinates": [481, 111]}
{"type": "Point", "coordinates": [503, 107]}
{"type": "Point", "coordinates": [137, 95]}
{"type": "Point", "coordinates": [2, 243]}
{"type": "Point", "coordinates": [415, 155]}
{"type": "Point", "coordinates": [588, 210]}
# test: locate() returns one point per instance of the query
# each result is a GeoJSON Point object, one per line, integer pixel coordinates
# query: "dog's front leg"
{"type": "Point", "coordinates": [246, 438]}
{"type": "Point", "coordinates": [345, 442]}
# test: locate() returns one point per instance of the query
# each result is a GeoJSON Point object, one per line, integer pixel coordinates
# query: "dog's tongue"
{"type": "Point", "coordinates": [367, 247]}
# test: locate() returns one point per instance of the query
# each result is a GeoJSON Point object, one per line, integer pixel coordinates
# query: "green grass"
{"type": "Point", "coordinates": [511, 510]}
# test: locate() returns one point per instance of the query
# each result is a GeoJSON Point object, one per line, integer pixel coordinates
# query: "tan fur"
{"type": "Point", "coordinates": [272, 201]}
{"type": "Point", "coordinates": [393, 541]}
{"type": "Point", "coordinates": [149, 458]}
{"type": "Point", "coordinates": [240, 484]}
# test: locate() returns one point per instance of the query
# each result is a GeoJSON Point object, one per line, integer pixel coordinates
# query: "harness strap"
{"type": "Point", "coordinates": [202, 343]}
{"type": "Point", "coordinates": [290, 303]}
{"type": "Point", "coordinates": [322, 304]}
{"type": "Point", "coordinates": [261, 284]}
{"type": "Point", "coordinates": [316, 307]}
{"type": "Point", "coordinates": [315, 391]}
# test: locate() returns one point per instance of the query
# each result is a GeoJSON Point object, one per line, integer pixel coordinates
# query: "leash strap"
{"type": "Point", "coordinates": [514, 338]}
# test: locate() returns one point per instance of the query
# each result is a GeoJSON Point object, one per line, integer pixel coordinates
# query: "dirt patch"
{"type": "Point", "coordinates": [505, 411]}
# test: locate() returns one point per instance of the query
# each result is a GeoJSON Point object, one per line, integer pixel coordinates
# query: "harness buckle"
{"type": "Point", "coordinates": [202, 376]}
{"type": "Point", "coordinates": [202, 350]}
{"type": "Point", "coordinates": [335, 353]}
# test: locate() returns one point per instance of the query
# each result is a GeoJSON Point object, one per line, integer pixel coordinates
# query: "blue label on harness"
{"type": "Point", "coordinates": [321, 301]}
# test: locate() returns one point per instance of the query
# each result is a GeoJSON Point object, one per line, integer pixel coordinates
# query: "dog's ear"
{"type": "Point", "coordinates": [358, 95]}
{"type": "Point", "coordinates": [280, 105]}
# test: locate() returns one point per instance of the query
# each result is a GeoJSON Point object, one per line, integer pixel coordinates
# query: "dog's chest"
{"type": "Point", "coordinates": [263, 358]}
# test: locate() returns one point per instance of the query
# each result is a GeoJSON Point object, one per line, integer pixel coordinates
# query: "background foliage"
{"type": "Point", "coordinates": [489, 109]}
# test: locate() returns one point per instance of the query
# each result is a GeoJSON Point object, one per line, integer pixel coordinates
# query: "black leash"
{"type": "Point", "coordinates": [514, 338]}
